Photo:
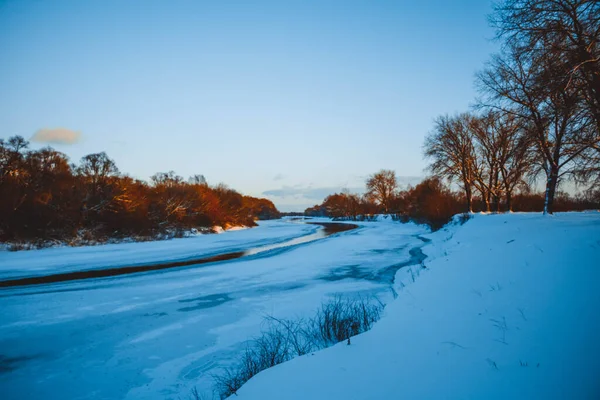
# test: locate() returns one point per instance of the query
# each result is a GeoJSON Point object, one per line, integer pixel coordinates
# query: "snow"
{"type": "Point", "coordinates": [65, 259]}
{"type": "Point", "coordinates": [506, 308]}
{"type": "Point", "coordinates": [157, 335]}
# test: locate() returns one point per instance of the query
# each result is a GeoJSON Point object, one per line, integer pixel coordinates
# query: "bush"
{"type": "Point", "coordinates": [432, 203]}
{"type": "Point", "coordinates": [282, 340]}
{"type": "Point", "coordinates": [340, 319]}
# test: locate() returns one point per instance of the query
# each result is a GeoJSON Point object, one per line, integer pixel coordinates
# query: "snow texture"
{"type": "Point", "coordinates": [506, 308]}
{"type": "Point", "coordinates": [65, 259]}
{"type": "Point", "coordinates": [159, 334]}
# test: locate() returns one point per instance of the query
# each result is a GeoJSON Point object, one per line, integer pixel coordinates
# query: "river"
{"type": "Point", "coordinates": [160, 333]}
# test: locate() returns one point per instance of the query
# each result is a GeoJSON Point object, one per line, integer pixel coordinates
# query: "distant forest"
{"type": "Point", "coordinates": [45, 199]}
{"type": "Point", "coordinates": [432, 201]}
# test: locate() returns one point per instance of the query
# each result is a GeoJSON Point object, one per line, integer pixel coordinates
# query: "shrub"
{"type": "Point", "coordinates": [281, 340]}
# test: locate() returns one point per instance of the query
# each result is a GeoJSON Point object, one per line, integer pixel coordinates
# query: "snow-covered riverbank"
{"type": "Point", "coordinates": [67, 259]}
{"type": "Point", "coordinates": [506, 308]}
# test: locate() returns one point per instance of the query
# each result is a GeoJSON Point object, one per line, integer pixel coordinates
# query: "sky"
{"type": "Point", "coordinates": [290, 100]}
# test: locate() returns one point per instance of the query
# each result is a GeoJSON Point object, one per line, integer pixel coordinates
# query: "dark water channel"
{"type": "Point", "coordinates": [329, 228]}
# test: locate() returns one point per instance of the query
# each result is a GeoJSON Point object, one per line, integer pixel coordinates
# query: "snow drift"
{"type": "Point", "coordinates": [506, 306]}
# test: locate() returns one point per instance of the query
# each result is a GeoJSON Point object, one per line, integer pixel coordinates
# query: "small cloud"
{"type": "Point", "coordinates": [278, 177]}
{"type": "Point", "coordinates": [56, 136]}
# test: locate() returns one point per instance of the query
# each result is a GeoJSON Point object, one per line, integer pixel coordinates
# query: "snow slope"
{"type": "Point", "coordinates": [508, 307]}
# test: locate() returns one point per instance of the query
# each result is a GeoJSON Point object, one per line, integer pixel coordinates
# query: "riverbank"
{"type": "Point", "coordinates": [35, 263]}
{"type": "Point", "coordinates": [506, 306]}
{"type": "Point", "coordinates": [326, 229]}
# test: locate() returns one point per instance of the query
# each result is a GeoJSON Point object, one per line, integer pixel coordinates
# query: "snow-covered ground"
{"type": "Point", "coordinates": [156, 335]}
{"type": "Point", "coordinates": [508, 307]}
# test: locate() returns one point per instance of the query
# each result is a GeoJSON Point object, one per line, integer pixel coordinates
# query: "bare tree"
{"type": "Point", "coordinates": [549, 75]}
{"type": "Point", "coordinates": [98, 174]}
{"type": "Point", "coordinates": [381, 187]}
{"type": "Point", "coordinates": [351, 204]}
{"type": "Point", "coordinates": [504, 154]}
{"type": "Point", "coordinates": [587, 170]}
{"type": "Point", "coordinates": [487, 161]}
{"type": "Point", "coordinates": [520, 84]}
{"type": "Point", "coordinates": [451, 148]}
{"type": "Point", "coordinates": [11, 156]}
{"type": "Point", "coordinates": [168, 179]}
{"type": "Point", "coordinates": [197, 179]}
{"type": "Point", "coordinates": [567, 28]}
{"type": "Point", "coordinates": [97, 168]}
{"type": "Point", "coordinates": [516, 155]}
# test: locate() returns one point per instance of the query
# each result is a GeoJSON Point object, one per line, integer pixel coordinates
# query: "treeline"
{"type": "Point", "coordinates": [539, 111]}
{"type": "Point", "coordinates": [432, 202]}
{"type": "Point", "coordinates": [538, 118]}
{"type": "Point", "coordinates": [45, 198]}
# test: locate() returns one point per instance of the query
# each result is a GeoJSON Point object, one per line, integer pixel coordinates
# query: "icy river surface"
{"type": "Point", "coordinates": [157, 334]}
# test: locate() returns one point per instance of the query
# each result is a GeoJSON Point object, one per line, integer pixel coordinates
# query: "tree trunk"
{"type": "Point", "coordinates": [550, 190]}
{"type": "Point", "coordinates": [508, 201]}
{"type": "Point", "coordinates": [469, 194]}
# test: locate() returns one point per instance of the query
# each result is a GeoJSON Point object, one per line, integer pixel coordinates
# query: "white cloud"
{"type": "Point", "coordinates": [56, 136]}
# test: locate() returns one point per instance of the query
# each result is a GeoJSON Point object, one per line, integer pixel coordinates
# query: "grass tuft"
{"type": "Point", "coordinates": [281, 340]}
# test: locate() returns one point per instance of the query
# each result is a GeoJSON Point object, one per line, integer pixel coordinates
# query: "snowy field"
{"type": "Point", "coordinates": [157, 335]}
{"type": "Point", "coordinates": [508, 307]}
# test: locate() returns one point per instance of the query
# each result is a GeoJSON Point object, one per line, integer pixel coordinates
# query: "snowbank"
{"type": "Point", "coordinates": [507, 307]}
{"type": "Point", "coordinates": [66, 259]}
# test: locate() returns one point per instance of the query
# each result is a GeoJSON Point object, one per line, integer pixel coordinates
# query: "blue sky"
{"type": "Point", "coordinates": [286, 99]}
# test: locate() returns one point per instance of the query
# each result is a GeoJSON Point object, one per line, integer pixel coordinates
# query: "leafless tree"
{"type": "Point", "coordinates": [516, 156]}
{"type": "Point", "coordinates": [520, 84]}
{"type": "Point", "coordinates": [381, 187]}
{"type": "Point", "coordinates": [11, 156]}
{"type": "Point", "coordinates": [197, 179]}
{"type": "Point", "coordinates": [98, 173]}
{"type": "Point", "coordinates": [567, 28]}
{"type": "Point", "coordinates": [487, 161]}
{"type": "Point", "coordinates": [451, 149]}
{"type": "Point", "coordinates": [97, 168]}
{"type": "Point", "coordinates": [548, 75]}
{"type": "Point", "coordinates": [168, 179]}
{"type": "Point", "coordinates": [504, 156]}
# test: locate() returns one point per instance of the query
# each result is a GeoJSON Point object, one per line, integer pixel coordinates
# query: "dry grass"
{"type": "Point", "coordinates": [281, 340]}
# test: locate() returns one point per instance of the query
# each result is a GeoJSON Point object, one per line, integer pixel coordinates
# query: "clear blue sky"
{"type": "Point", "coordinates": [294, 99]}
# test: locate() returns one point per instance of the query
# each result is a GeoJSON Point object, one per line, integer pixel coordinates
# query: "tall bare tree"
{"type": "Point", "coordinates": [523, 84]}
{"type": "Point", "coordinates": [451, 149]}
{"type": "Point", "coordinates": [548, 74]}
{"type": "Point", "coordinates": [516, 155]}
{"type": "Point", "coordinates": [488, 158]}
{"type": "Point", "coordinates": [504, 154]}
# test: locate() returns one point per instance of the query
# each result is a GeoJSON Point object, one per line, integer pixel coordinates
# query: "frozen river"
{"type": "Point", "coordinates": [158, 334]}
